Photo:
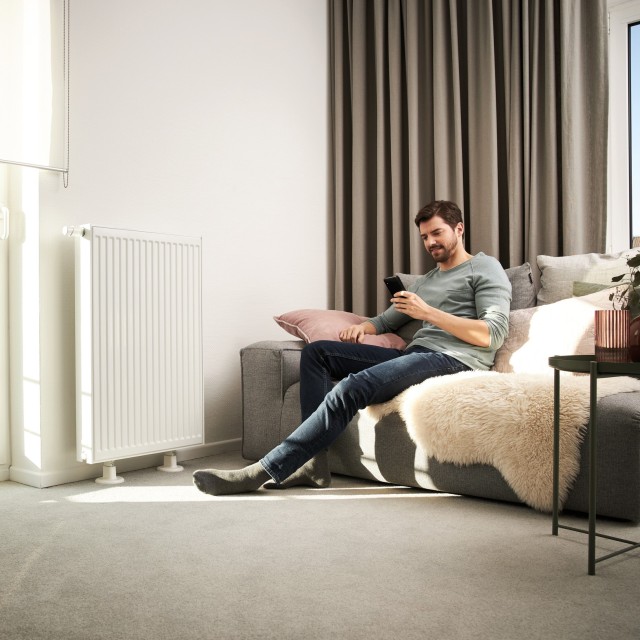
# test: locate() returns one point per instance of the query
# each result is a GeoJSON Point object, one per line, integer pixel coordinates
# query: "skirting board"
{"type": "Point", "coordinates": [43, 479]}
{"type": "Point", "coordinates": [4, 472]}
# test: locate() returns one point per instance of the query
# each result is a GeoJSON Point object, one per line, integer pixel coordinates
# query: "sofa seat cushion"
{"type": "Point", "coordinates": [383, 451]}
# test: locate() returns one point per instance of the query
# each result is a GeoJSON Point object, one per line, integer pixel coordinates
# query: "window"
{"type": "Point", "coordinates": [623, 219]}
{"type": "Point", "coordinates": [34, 82]}
{"type": "Point", "coordinates": [634, 130]}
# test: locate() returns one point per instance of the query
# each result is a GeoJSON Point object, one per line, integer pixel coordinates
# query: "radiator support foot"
{"type": "Point", "coordinates": [109, 475]}
{"type": "Point", "coordinates": [170, 465]}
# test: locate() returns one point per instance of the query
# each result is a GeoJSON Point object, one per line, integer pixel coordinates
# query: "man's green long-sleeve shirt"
{"type": "Point", "coordinates": [476, 289]}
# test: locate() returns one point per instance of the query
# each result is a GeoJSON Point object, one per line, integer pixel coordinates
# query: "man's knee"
{"type": "Point", "coordinates": [311, 350]}
{"type": "Point", "coordinates": [318, 345]}
{"type": "Point", "coordinates": [314, 351]}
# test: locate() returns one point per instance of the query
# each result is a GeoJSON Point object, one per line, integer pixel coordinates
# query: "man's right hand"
{"type": "Point", "coordinates": [356, 332]}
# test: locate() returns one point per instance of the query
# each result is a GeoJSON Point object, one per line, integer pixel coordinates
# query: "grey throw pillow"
{"type": "Point", "coordinates": [523, 290]}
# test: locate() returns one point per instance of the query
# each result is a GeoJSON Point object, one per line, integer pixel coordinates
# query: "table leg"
{"type": "Point", "coordinates": [593, 421]}
{"type": "Point", "coordinates": [556, 449]}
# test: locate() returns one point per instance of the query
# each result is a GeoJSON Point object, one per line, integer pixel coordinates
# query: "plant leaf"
{"type": "Point", "coordinates": [634, 261]}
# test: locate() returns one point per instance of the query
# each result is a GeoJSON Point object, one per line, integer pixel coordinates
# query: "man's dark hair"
{"type": "Point", "coordinates": [446, 209]}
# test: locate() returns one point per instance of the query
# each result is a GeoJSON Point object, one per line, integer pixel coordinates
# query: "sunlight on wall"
{"type": "Point", "coordinates": [5, 442]}
{"type": "Point", "coordinates": [30, 317]}
{"type": "Point", "coordinates": [31, 418]}
{"type": "Point", "coordinates": [25, 32]}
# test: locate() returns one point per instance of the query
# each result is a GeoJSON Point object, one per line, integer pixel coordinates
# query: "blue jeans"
{"type": "Point", "coordinates": [373, 375]}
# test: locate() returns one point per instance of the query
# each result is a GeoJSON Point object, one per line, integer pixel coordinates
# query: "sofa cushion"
{"type": "Point", "coordinates": [523, 289]}
{"type": "Point", "coordinates": [557, 275]}
{"type": "Point", "coordinates": [561, 328]}
{"type": "Point", "coordinates": [318, 324]}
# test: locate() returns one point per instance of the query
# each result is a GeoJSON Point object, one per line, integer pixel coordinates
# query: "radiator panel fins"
{"type": "Point", "coordinates": [138, 302]}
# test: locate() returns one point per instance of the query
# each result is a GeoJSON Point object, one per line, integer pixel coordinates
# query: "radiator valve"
{"type": "Point", "coordinates": [74, 232]}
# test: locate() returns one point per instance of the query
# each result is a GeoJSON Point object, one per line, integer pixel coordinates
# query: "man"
{"type": "Point", "coordinates": [464, 306]}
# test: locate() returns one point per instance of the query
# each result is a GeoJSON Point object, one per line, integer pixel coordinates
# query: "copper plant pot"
{"type": "Point", "coordinates": [634, 339]}
{"type": "Point", "coordinates": [612, 335]}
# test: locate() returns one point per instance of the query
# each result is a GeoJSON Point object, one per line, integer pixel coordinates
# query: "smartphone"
{"type": "Point", "coordinates": [394, 284]}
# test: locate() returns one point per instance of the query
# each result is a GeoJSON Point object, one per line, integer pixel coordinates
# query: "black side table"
{"type": "Point", "coordinates": [586, 364]}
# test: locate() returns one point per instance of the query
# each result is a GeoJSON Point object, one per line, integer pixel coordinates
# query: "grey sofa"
{"type": "Point", "coordinates": [386, 453]}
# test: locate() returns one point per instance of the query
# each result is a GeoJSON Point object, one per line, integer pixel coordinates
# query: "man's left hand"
{"type": "Point", "coordinates": [411, 305]}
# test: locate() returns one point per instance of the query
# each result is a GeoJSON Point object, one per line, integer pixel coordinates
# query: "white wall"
{"type": "Point", "coordinates": [203, 117]}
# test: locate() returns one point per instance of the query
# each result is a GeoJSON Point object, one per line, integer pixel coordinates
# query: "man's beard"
{"type": "Point", "coordinates": [445, 251]}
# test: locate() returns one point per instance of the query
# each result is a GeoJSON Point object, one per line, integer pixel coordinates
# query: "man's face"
{"type": "Point", "coordinates": [440, 240]}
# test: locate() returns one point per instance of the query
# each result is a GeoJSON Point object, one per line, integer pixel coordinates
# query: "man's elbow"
{"type": "Point", "coordinates": [482, 340]}
{"type": "Point", "coordinates": [496, 334]}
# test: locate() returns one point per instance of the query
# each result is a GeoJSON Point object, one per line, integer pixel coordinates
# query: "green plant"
{"type": "Point", "coordinates": [626, 294]}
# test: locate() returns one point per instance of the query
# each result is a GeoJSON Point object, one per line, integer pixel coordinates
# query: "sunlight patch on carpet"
{"type": "Point", "coordinates": [190, 494]}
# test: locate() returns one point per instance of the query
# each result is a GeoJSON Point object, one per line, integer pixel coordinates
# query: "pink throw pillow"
{"type": "Point", "coordinates": [317, 324]}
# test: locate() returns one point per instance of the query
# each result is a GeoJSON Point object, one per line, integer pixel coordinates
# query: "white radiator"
{"type": "Point", "coordinates": [138, 343]}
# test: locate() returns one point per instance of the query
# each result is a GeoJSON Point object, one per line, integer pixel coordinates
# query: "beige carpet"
{"type": "Point", "coordinates": [155, 559]}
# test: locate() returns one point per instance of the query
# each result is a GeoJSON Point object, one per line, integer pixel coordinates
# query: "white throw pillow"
{"type": "Point", "coordinates": [563, 328]}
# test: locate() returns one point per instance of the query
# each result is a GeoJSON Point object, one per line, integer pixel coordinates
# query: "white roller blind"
{"type": "Point", "coordinates": [33, 94]}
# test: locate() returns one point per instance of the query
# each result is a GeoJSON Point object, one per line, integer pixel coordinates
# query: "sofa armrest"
{"type": "Point", "coordinates": [269, 368]}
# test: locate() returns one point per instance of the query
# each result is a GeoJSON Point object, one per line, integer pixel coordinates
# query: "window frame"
{"type": "Point", "coordinates": [621, 15]}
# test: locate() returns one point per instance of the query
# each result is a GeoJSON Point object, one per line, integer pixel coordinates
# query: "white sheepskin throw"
{"type": "Point", "coordinates": [504, 420]}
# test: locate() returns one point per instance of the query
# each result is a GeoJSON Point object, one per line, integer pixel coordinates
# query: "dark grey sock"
{"type": "Point", "coordinates": [218, 482]}
{"type": "Point", "coordinates": [314, 473]}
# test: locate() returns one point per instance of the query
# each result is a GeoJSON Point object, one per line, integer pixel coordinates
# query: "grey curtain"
{"type": "Point", "coordinates": [498, 105]}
